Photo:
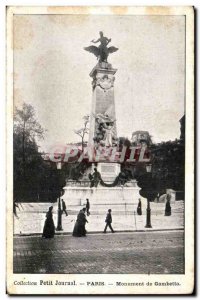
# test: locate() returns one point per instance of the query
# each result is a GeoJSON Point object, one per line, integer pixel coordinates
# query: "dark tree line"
{"type": "Point", "coordinates": [34, 179]}
{"type": "Point", "coordinates": [167, 168]}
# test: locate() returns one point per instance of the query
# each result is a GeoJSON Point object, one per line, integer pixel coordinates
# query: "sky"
{"type": "Point", "coordinates": [51, 72]}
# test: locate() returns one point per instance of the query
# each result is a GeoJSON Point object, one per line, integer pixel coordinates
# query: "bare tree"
{"type": "Point", "coordinates": [83, 131]}
{"type": "Point", "coordinates": [26, 126]}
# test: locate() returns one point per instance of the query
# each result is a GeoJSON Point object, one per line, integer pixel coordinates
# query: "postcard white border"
{"type": "Point", "coordinates": [186, 280]}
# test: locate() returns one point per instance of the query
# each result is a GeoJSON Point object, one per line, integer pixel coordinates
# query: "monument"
{"type": "Point", "coordinates": [105, 190]}
{"type": "Point", "coordinates": [103, 132]}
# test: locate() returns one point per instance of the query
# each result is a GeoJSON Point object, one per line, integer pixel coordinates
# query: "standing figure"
{"type": "Point", "coordinates": [79, 227]}
{"type": "Point", "coordinates": [157, 198]}
{"type": "Point", "coordinates": [139, 207]}
{"type": "Point", "coordinates": [87, 207]}
{"type": "Point", "coordinates": [108, 221]}
{"type": "Point", "coordinates": [96, 177]}
{"type": "Point", "coordinates": [64, 208]}
{"type": "Point", "coordinates": [168, 206]}
{"type": "Point", "coordinates": [103, 50]}
{"type": "Point", "coordinates": [49, 228]}
{"type": "Point", "coordinates": [91, 178]}
{"type": "Point", "coordinates": [108, 137]}
{"type": "Point", "coordinates": [15, 206]}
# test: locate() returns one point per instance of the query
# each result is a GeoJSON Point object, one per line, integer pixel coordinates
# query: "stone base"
{"type": "Point", "coordinates": [103, 198]}
{"type": "Point", "coordinates": [109, 171]}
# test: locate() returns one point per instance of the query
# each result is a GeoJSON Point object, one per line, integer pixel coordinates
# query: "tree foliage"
{"type": "Point", "coordinates": [148, 186]}
{"type": "Point", "coordinates": [168, 165]}
{"type": "Point", "coordinates": [34, 179]}
{"type": "Point", "coordinates": [168, 169]}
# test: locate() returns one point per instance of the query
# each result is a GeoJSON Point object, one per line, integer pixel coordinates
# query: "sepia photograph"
{"type": "Point", "coordinates": [100, 150]}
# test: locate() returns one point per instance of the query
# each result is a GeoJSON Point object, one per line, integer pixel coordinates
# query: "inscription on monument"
{"type": "Point", "coordinates": [107, 169]}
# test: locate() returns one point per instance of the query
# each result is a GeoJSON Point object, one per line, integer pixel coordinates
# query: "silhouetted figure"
{"type": "Point", "coordinates": [158, 197]}
{"type": "Point", "coordinates": [79, 227]}
{"type": "Point", "coordinates": [168, 206]}
{"type": "Point", "coordinates": [87, 207]}
{"type": "Point", "coordinates": [102, 51]}
{"type": "Point", "coordinates": [122, 178]}
{"type": "Point", "coordinates": [108, 221]}
{"type": "Point", "coordinates": [15, 206]}
{"type": "Point", "coordinates": [97, 177]}
{"type": "Point", "coordinates": [91, 180]}
{"type": "Point", "coordinates": [49, 228]}
{"type": "Point", "coordinates": [64, 208]}
{"type": "Point", "coordinates": [139, 207]}
{"type": "Point", "coordinates": [94, 178]}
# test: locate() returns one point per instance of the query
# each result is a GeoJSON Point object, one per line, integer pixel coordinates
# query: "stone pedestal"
{"type": "Point", "coordinates": [103, 106]}
{"type": "Point", "coordinates": [109, 171]}
{"type": "Point", "coordinates": [103, 97]}
{"type": "Point", "coordinates": [119, 199]}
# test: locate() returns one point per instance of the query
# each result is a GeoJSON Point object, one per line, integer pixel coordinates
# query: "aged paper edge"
{"type": "Point", "coordinates": [186, 280]}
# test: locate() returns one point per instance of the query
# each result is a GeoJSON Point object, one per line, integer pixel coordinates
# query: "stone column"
{"type": "Point", "coordinates": [103, 104]}
{"type": "Point", "coordinates": [103, 95]}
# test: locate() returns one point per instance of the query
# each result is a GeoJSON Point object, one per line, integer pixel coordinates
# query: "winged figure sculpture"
{"type": "Point", "coordinates": [102, 51]}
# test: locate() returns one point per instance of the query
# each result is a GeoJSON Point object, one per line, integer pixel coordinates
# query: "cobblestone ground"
{"type": "Point", "coordinates": [136, 253]}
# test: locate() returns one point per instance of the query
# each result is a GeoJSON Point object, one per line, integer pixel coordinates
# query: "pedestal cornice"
{"type": "Point", "coordinates": [104, 68]}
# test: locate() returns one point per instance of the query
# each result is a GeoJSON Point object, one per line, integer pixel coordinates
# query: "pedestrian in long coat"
{"type": "Point", "coordinates": [87, 207]}
{"type": "Point", "coordinates": [139, 208]}
{"type": "Point", "coordinates": [168, 206]}
{"type": "Point", "coordinates": [49, 228]}
{"type": "Point", "coordinates": [79, 227]}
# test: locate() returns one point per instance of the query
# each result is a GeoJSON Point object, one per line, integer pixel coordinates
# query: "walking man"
{"type": "Point", "coordinates": [139, 207]}
{"type": "Point", "coordinates": [87, 207]}
{"type": "Point", "coordinates": [64, 208]}
{"type": "Point", "coordinates": [108, 221]}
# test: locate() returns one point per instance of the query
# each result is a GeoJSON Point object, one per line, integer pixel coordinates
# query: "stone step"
{"type": "Point", "coordinates": [101, 209]}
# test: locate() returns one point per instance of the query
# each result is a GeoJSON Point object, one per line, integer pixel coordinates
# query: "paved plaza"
{"type": "Point", "coordinates": [122, 220]}
{"type": "Point", "coordinates": [158, 252]}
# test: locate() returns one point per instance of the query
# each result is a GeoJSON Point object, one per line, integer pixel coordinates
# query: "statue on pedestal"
{"type": "Point", "coordinates": [105, 134]}
{"type": "Point", "coordinates": [94, 178]}
{"type": "Point", "coordinates": [108, 137]}
{"type": "Point", "coordinates": [102, 51]}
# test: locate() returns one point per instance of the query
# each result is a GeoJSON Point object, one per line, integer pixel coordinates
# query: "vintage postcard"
{"type": "Point", "coordinates": [100, 150]}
